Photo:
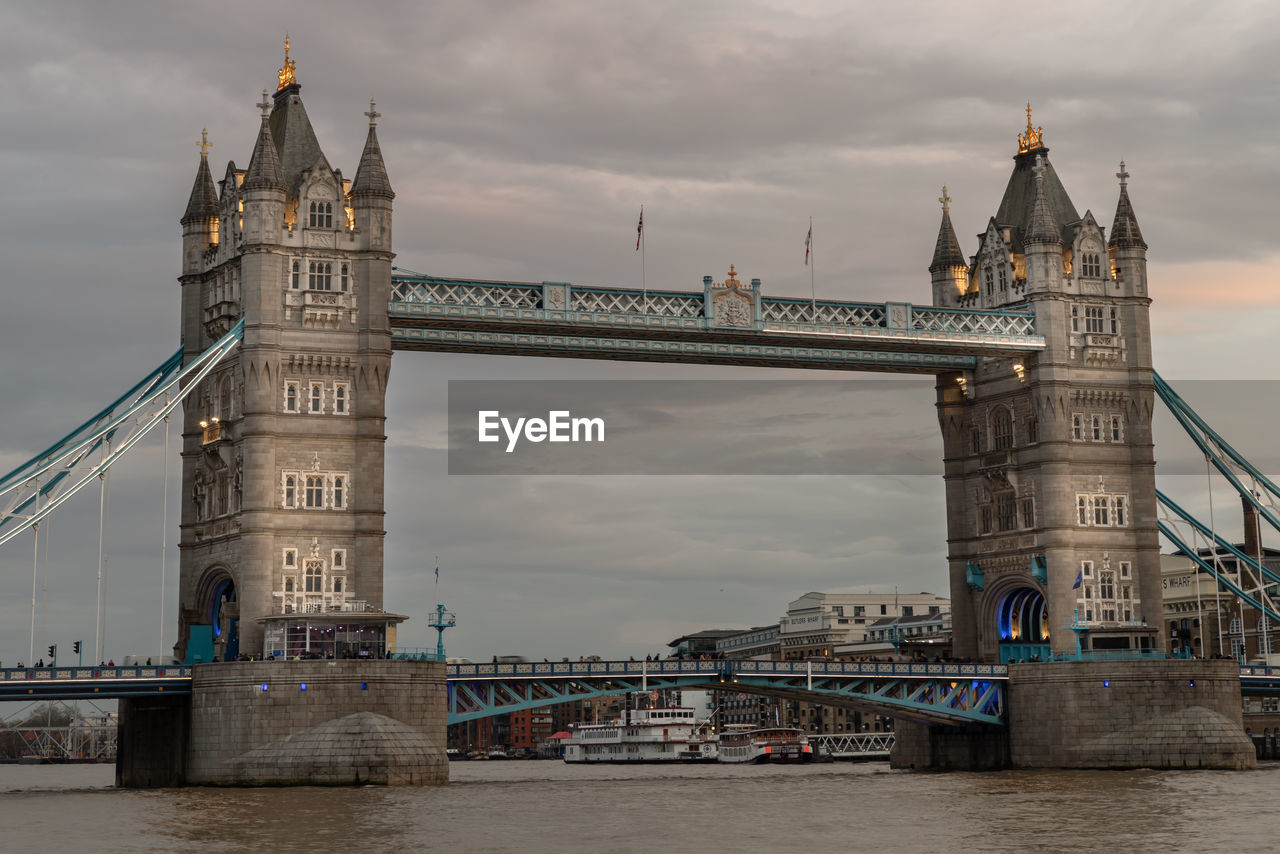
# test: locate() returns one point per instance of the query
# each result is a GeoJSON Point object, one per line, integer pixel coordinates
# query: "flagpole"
{"type": "Point", "coordinates": [437, 585]}
{"type": "Point", "coordinates": [644, 279]}
{"type": "Point", "coordinates": [813, 292]}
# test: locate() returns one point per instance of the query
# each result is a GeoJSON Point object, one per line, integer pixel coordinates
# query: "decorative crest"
{"type": "Point", "coordinates": [1033, 138]}
{"type": "Point", "coordinates": [945, 199]}
{"type": "Point", "coordinates": [286, 71]}
{"type": "Point", "coordinates": [204, 144]}
{"type": "Point", "coordinates": [732, 280]}
{"type": "Point", "coordinates": [1123, 175]}
{"type": "Point", "coordinates": [373, 114]}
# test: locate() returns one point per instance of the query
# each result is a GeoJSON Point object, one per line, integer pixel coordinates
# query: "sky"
{"type": "Point", "coordinates": [521, 140]}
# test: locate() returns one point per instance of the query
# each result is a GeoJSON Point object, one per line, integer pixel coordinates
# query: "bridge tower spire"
{"type": "Point", "coordinates": [282, 518]}
{"type": "Point", "coordinates": [1048, 457]}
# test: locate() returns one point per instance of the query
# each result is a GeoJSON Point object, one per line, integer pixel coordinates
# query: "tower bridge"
{"type": "Point", "coordinates": [1040, 342]}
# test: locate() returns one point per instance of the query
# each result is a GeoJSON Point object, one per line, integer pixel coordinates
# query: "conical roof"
{"type": "Point", "coordinates": [1125, 233]}
{"type": "Point", "coordinates": [203, 202]}
{"type": "Point", "coordinates": [294, 138]}
{"type": "Point", "coordinates": [947, 253]}
{"type": "Point", "coordinates": [1041, 224]}
{"type": "Point", "coordinates": [371, 176]}
{"type": "Point", "coordinates": [264, 166]}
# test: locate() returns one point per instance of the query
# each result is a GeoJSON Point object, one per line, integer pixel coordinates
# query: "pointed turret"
{"type": "Point", "coordinates": [949, 268]}
{"type": "Point", "coordinates": [1042, 227]}
{"type": "Point", "coordinates": [371, 175]}
{"type": "Point", "coordinates": [203, 202]}
{"type": "Point", "coordinates": [264, 172]}
{"type": "Point", "coordinates": [1016, 205]}
{"type": "Point", "coordinates": [1125, 233]}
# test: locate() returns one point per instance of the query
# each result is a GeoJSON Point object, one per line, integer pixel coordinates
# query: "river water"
{"type": "Point", "coordinates": [543, 806]}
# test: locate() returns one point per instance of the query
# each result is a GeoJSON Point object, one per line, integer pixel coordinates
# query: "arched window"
{"type": "Point", "coordinates": [313, 221]}
{"type": "Point", "coordinates": [315, 492]}
{"type": "Point", "coordinates": [290, 491]}
{"type": "Point", "coordinates": [327, 284]}
{"type": "Point", "coordinates": [312, 279]}
{"type": "Point", "coordinates": [344, 278]}
{"type": "Point", "coordinates": [291, 398]}
{"type": "Point", "coordinates": [337, 585]}
{"type": "Point", "coordinates": [288, 584]}
{"type": "Point", "coordinates": [224, 398]}
{"type": "Point", "coordinates": [295, 277]}
{"type": "Point", "coordinates": [315, 576]}
{"type": "Point", "coordinates": [339, 492]}
{"type": "Point", "coordinates": [987, 277]}
{"type": "Point", "coordinates": [317, 397]}
{"type": "Point", "coordinates": [328, 214]}
{"type": "Point", "coordinates": [340, 400]}
{"type": "Point", "coordinates": [1001, 429]}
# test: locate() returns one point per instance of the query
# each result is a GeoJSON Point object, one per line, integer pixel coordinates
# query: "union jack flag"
{"type": "Point", "coordinates": [808, 238]}
{"type": "Point", "coordinates": [640, 229]}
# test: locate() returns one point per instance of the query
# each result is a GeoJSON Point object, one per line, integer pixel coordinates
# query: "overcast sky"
{"type": "Point", "coordinates": [521, 139]}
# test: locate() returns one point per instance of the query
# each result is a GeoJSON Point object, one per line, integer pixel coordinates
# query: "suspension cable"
{"type": "Point", "coordinates": [164, 527]}
{"type": "Point", "coordinates": [1213, 544]}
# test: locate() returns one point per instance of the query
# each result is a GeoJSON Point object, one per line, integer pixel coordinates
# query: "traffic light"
{"type": "Point", "coordinates": [53, 651]}
{"type": "Point", "coordinates": [75, 647]}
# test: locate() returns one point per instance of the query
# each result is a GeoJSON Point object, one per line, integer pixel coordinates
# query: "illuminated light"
{"type": "Point", "coordinates": [1191, 684]}
{"type": "Point", "coordinates": [203, 424]}
{"type": "Point", "coordinates": [768, 750]}
{"type": "Point", "coordinates": [264, 686]}
{"type": "Point", "coordinates": [1021, 371]}
{"type": "Point", "coordinates": [1106, 683]}
{"type": "Point", "coordinates": [215, 420]}
{"type": "Point", "coordinates": [302, 687]}
{"type": "Point", "coordinates": [364, 686]}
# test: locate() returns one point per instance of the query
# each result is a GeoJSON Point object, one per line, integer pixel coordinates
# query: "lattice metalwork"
{"type": "Point", "coordinates": [636, 302]}
{"type": "Point", "coordinates": [853, 745]}
{"type": "Point", "coordinates": [953, 320]}
{"type": "Point", "coordinates": [945, 694]}
{"type": "Point", "coordinates": [866, 315]}
{"type": "Point", "coordinates": [478, 294]}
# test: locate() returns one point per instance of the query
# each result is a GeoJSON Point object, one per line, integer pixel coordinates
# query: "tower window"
{"type": "Point", "coordinates": [1093, 319]}
{"type": "Point", "coordinates": [315, 576]}
{"type": "Point", "coordinates": [295, 275]}
{"type": "Point", "coordinates": [317, 398]}
{"type": "Point", "coordinates": [291, 397]}
{"type": "Point", "coordinates": [1117, 434]}
{"type": "Point", "coordinates": [1091, 265]}
{"type": "Point", "coordinates": [1001, 429]}
{"type": "Point", "coordinates": [1006, 518]}
{"type": "Point", "coordinates": [339, 493]}
{"type": "Point", "coordinates": [344, 278]}
{"type": "Point", "coordinates": [1004, 278]}
{"type": "Point", "coordinates": [1028, 513]}
{"type": "Point", "coordinates": [1122, 515]}
{"type": "Point", "coordinates": [315, 492]}
{"type": "Point", "coordinates": [987, 277]}
{"type": "Point", "coordinates": [340, 398]}
{"type": "Point", "coordinates": [290, 491]}
{"type": "Point", "coordinates": [1077, 426]}
{"type": "Point", "coordinates": [1101, 514]}
{"type": "Point", "coordinates": [290, 558]}
{"type": "Point", "coordinates": [320, 276]}
{"type": "Point", "coordinates": [1082, 510]}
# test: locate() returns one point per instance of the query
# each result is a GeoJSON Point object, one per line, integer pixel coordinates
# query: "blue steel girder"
{"type": "Point", "coordinates": [934, 693]}
{"type": "Point", "coordinates": [558, 319]}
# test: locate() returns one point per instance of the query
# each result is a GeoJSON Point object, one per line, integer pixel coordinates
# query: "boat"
{"type": "Point", "coordinates": [765, 744]}
{"type": "Point", "coordinates": [497, 753]}
{"type": "Point", "coordinates": [644, 735]}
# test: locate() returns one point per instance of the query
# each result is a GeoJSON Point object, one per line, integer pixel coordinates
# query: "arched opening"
{"type": "Point", "coordinates": [1022, 625]}
{"type": "Point", "coordinates": [215, 627]}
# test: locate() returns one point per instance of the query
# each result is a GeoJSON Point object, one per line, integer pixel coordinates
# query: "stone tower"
{"type": "Point", "coordinates": [1049, 470]}
{"type": "Point", "coordinates": [282, 460]}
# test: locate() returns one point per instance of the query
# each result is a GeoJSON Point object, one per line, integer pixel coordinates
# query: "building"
{"type": "Point", "coordinates": [756, 642]}
{"type": "Point", "coordinates": [817, 623]}
{"type": "Point", "coordinates": [700, 643]}
{"type": "Point", "coordinates": [1203, 618]}
{"type": "Point", "coordinates": [1048, 460]}
{"type": "Point", "coordinates": [282, 459]}
{"type": "Point", "coordinates": [920, 636]}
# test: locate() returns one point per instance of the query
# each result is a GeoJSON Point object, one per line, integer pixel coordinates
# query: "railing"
{"type": "Point", "coordinates": [68, 674]}
{"type": "Point", "coordinates": [724, 667]}
{"type": "Point", "coordinates": [415, 653]}
{"type": "Point", "coordinates": [1111, 655]}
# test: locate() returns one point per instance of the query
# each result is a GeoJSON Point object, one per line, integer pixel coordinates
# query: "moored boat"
{"type": "Point", "coordinates": [644, 735]}
{"type": "Point", "coordinates": [765, 744]}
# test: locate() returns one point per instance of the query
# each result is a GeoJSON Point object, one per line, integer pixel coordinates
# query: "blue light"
{"type": "Point", "coordinates": [303, 686]}
{"type": "Point", "coordinates": [264, 686]}
{"type": "Point", "coordinates": [1192, 684]}
{"type": "Point", "coordinates": [1106, 683]}
{"type": "Point", "coordinates": [364, 686]}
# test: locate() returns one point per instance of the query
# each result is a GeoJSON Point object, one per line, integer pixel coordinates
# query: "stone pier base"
{"type": "Point", "coordinates": [291, 723]}
{"type": "Point", "coordinates": [1121, 714]}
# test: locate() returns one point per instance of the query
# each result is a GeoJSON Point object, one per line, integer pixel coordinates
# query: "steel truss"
{"type": "Point", "coordinates": [852, 745]}
{"type": "Point", "coordinates": [36, 488]}
{"type": "Point", "coordinates": [1188, 534]}
{"type": "Point", "coordinates": [934, 693]}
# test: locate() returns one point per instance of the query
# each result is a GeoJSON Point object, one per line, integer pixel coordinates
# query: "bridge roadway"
{"type": "Point", "coordinates": [953, 694]}
{"type": "Point", "coordinates": [559, 319]}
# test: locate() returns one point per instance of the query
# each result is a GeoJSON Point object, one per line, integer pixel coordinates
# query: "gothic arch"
{"type": "Point", "coordinates": [1015, 610]}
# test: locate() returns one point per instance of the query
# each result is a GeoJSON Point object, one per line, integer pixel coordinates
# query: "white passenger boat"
{"type": "Point", "coordinates": [765, 744]}
{"type": "Point", "coordinates": [644, 735]}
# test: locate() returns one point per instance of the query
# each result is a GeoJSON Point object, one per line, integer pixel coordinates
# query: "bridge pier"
{"type": "Point", "coordinates": [151, 741]}
{"type": "Point", "coordinates": [1097, 714]}
{"type": "Point", "coordinates": [290, 723]}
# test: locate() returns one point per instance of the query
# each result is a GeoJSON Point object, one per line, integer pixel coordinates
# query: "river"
{"type": "Point", "coordinates": [542, 806]}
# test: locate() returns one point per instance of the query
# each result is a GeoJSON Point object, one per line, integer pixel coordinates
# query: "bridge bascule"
{"type": "Point", "coordinates": [291, 310]}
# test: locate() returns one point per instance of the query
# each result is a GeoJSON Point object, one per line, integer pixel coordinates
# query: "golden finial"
{"type": "Point", "coordinates": [204, 144]}
{"type": "Point", "coordinates": [1033, 138]}
{"type": "Point", "coordinates": [732, 281]}
{"type": "Point", "coordinates": [1123, 175]}
{"type": "Point", "coordinates": [945, 199]}
{"type": "Point", "coordinates": [373, 114]}
{"type": "Point", "coordinates": [285, 73]}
